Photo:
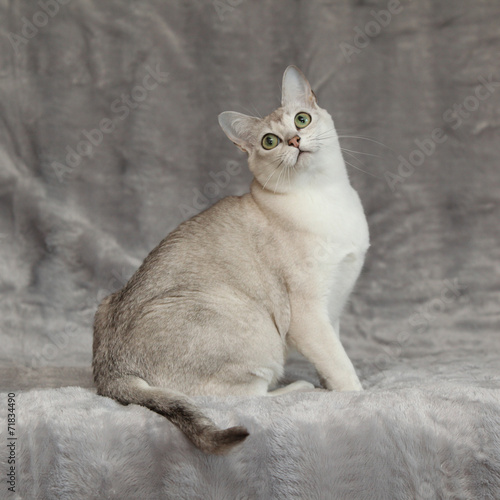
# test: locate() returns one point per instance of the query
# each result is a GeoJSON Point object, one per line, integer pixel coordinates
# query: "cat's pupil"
{"type": "Point", "coordinates": [270, 141]}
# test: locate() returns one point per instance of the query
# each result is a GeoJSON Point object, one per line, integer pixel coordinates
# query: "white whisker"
{"type": "Point", "coordinates": [278, 181]}
{"type": "Point", "coordinates": [327, 132]}
{"type": "Point", "coordinates": [250, 112]}
{"type": "Point", "coordinates": [359, 152]}
{"type": "Point", "coordinates": [366, 139]}
{"type": "Point", "coordinates": [272, 173]}
{"type": "Point", "coordinates": [364, 171]}
{"type": "Point", "coordinates": [356, 158]}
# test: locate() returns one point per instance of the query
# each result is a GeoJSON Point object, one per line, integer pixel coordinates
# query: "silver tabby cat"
{"type": "Point", "coordinates": [215, 306]}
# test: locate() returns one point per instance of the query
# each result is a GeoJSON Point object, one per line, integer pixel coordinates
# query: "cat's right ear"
{"type": "Point", "coordinates": [296, 89]}
{"type": "Point", "coordinates": [239, 128]}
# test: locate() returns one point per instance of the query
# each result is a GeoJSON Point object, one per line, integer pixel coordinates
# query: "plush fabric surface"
{"type": "Point", "coordinates": [416, 442]}
{"type": "Point", "coordinates": [136, 87]}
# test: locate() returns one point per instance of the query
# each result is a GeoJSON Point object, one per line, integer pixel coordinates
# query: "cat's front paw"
{"type": "Point", "coordinates": [299, 385]}
{"type": "Point", "coordinates": [353, 385]}
{"type": "Point", "coordinates": [358, 388]}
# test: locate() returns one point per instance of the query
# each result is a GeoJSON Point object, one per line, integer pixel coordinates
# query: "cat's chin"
{"type": "Point", "coordinates": [303, 158]}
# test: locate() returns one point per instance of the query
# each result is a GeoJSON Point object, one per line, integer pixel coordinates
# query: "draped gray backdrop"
{"type": "Point", "coordinates": [109, 139]}
{"type": "Point", "coordinates": [81, 207]}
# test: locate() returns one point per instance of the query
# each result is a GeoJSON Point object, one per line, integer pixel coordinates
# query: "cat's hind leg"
{"type": "Point", "coordinates": [297, 386]}
{"type": "Point", "coordinates": [259, 386]}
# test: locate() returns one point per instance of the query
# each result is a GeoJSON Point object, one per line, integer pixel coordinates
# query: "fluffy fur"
{"type": "Point", "coordinates": [215, 306]}
{"type": "Point", "coordinates": [436, 440]}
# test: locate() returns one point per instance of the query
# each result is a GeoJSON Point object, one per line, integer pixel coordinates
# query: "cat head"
{"type": "Point", "coordinates": [293, 144]}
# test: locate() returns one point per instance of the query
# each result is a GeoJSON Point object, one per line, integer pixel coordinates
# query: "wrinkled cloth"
{"type": "Point", "coordinates": [109, 139]}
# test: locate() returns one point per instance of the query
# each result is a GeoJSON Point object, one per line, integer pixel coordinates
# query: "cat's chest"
{"type": "Point", "coordinates": [335, 220]}
{"type": "Point", "coordinates": [326, 250]}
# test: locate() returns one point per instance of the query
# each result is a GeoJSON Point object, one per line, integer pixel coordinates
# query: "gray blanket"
{"type": "Point", "coordinates": [402, 440]}
{"type": "Point", "coordinates": [109, 139]}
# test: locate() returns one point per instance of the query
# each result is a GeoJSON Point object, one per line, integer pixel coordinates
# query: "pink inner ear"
{"type": "Point", "coordinates": [240, 147]}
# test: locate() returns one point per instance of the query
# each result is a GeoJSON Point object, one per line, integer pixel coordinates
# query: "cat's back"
{"type": "Point", "coordinates": [217, 235]}
{"type": "Point", "coordinates": [214, 249]}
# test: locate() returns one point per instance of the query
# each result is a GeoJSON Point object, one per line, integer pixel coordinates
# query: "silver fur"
{"type": "Point", "coordinates": [214, 308]}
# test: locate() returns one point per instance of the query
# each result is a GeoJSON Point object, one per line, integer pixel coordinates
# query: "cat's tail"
{"type": "Point", "coordinates": [177, 408]}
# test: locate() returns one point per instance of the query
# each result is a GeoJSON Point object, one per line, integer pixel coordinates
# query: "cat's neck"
{"type": "Point", "coordinates": [328, 172]}
{"type": "Point", "coordinates": [310, 203]}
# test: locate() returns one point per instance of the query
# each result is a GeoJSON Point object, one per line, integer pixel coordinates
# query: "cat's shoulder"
{"type": "Point", "coordinates": [232, 213]}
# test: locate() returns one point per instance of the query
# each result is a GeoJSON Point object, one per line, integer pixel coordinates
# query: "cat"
{"type": "Point", "coordinates": [214, 307]}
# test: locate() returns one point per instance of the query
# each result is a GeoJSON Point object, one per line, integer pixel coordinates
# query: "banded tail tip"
{"type": "Point", "coordinates": [222, 441]}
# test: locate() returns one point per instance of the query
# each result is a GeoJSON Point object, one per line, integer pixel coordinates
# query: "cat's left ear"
{"type": "Point", "coordinates": [239, 128]}
{"type": "Point", "coordinates": [296, 88]}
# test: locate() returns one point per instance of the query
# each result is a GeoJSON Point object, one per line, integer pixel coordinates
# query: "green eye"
{"type": "Point", "coordinates": [270, 141]}
{"type": "Point", "coordinates": [302, 120]}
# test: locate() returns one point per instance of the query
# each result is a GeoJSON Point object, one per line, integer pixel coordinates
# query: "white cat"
{"type": "Point", "coordinates": [214, 307]}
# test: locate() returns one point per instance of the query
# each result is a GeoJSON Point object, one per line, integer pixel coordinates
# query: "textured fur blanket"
{"type": "Point", "coordinates": [417, 433]}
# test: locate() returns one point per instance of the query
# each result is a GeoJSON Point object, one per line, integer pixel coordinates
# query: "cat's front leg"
{"type": "Point", "coordinates": [312, 334]}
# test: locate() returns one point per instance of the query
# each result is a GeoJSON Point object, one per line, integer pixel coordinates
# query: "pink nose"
{"type": "Point", "coordinates": [294, 141]}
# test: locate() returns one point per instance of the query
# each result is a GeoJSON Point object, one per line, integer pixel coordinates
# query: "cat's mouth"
{"type": "Point", "coordinates": [302, 154]}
